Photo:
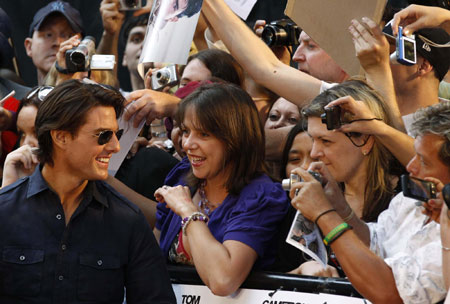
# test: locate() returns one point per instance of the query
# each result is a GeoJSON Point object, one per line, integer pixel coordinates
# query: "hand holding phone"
{"type": "Point", "coordinates": [419, 189]}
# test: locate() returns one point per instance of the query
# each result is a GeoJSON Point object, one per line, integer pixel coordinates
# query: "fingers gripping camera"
{"type": "Point", "coordinates": [294, 178]}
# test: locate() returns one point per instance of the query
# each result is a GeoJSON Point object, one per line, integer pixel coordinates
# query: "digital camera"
{"type": "Point", "coordinates": [281, 33]}
{"type": "Point", "coordinates": [78, 58]}
{"type": "Point", "coordinates": [286, 184]}
{"type": "Point", "coordinates": [332, 118]}
{"type": "Point", "coordinates": [130, 5]}
{"type": "Point", "coordinates": [405, 48]}
{"type": "Point", "coordinates": [164, 77]}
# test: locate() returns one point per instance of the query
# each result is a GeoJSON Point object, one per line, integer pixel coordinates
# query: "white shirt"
{"type": "Point", "coordinates": [412, 249]}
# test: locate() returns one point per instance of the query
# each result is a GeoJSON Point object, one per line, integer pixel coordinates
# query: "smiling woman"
{"type": "Point", "coordinates": [224, 210]}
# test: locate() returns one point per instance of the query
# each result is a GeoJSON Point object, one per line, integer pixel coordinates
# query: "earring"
{"type": "Point", "coordinates": [365, 153]}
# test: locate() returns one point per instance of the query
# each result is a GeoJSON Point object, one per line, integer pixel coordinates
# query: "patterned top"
{"type": "Point", "coordinates": [412, 249]}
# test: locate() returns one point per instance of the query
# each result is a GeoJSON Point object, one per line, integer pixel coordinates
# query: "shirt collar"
{"type": "Point", "coordinates": [38, 184]}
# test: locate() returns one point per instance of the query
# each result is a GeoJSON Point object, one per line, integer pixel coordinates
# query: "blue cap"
{"type": "Point", "coordinates": [72, 15]}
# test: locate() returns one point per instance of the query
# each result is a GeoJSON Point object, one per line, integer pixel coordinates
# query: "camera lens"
{"type": "Point", "coordinates": [130, 3]}
{"type": "Point", "coordinates": [78, 58]}
{"type": "Point", "coordinates": [163, 77]}
{"type": "Point", "coordinates": [273, 36]}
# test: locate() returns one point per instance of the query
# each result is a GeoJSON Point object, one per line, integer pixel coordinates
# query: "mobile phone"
{"type": "Point", "coordinates": [418, 188]}
{"type": "Point", "coordinates": [406, 48]}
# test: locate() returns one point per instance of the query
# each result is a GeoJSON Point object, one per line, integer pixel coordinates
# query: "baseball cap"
{"type": "Point", "coordinates": [72, 15]}
{"type": "Point", "coordinates": [438, 57]}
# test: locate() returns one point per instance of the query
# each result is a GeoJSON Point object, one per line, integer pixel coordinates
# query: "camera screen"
{"type": "Point", "coordinates": [409, 48]}
{"type": "Point", "coordinates": [419, 189]}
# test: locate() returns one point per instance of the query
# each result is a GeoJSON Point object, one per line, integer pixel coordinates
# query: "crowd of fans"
{"type": "Point", "coordinates": [205, 172]}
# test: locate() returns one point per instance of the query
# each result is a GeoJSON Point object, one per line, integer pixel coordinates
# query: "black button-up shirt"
{"type": "Point", "coordinates": [106, 246]}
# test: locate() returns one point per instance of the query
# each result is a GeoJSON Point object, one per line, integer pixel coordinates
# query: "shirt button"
{"type": "Point", "coordinates": [99, 262]}
{"type": "Point", "coordinates": [22, 258]}
{"type": "Point", "coordinates": [58, 216]}
{"type": "Point", "coordinates": [61, 278]}
{"type": "Point", "coordinates": [63, 247]}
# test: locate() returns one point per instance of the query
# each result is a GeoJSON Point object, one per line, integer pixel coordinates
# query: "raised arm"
{"type": "Point", "coordinates": [112, 20]}
{"type": "Point", "coordinates": [257, 58]}
{"type": "Point", "coordinates": [415, 17]}
{"type": "Point", "coordinates": [400, 144]}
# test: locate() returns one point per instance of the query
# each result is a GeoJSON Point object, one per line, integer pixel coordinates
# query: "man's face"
{"type": "Point", "coordinates": [133, 48]}
{"type": "Point", "coordinates": [44, 44]}
{"type": "Point", "coordinates": [313, 60]}
{"type": "Point", "coordinates": [426, 162]}
{"type": "Point", "coordinates": [83, 157]}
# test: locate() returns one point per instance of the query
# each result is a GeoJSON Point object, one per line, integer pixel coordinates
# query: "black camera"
{"type": "Point", "coordinates": [281, 33]}
{"type": "Point", "coordinates": [418, 188]}
{"type": "Point", "coordinates": [78, 59]}
{"type": "Point", "coordinates": [286, 184]}
{"type": "Point", "coordinates": [332, 118]}
{"type": "Point", "coordinates": [130, 5]}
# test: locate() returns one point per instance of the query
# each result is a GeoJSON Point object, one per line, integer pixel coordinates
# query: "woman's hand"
{"type": "Point", "coordinates": [314, 268]}
{"type": "Point", "coordinates": [369, 125]}
{"type": "Point", "coordinates": [308, 195]}
{"type": "Point", "coordinates": [416, 17]}
{"type": "Point", "coordinates": [178, 199]}
{"type": "Point", "coordinates": [19, 163]}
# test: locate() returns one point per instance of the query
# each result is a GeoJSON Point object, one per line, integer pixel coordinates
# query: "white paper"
{"type": "Point", "coordinates": [169, 37]}
{"type": "Point", "coordinates": [187, 294]}
{"type": "Point", "coordinates": [242, 8]}
{"type": "Point", "coordinates": [305, 236]}
{"type": "Point", "coordinates": [126, 141]}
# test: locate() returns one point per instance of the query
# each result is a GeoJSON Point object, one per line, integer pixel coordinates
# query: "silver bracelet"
{"type": "Point", "coordinates": [196, 216]}
{"type": "Point", "coordinates": [445, 248]}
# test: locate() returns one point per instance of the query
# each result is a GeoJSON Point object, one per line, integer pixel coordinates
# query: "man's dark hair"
{"type": "Point", "coordinates": [221, 65]}
{"type": "Point", "coordinates": [193, 7]}
{"type": "Point", "coordinates": [66, 107]}
{"type": "Point", "coordinates": [228, 113]}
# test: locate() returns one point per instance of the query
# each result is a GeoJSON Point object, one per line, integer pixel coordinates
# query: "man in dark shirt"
{"type": "Point", "coordinates": [66, 236]}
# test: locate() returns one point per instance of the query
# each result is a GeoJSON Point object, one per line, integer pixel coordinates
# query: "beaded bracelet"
{"type": "Point", "coordinates": [335, 233]}
{"type": "Point", "coordinates": [196, 216]}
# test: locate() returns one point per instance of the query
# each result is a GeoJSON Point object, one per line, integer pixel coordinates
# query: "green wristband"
{"type": "Point", "coordinates": [335, 233]}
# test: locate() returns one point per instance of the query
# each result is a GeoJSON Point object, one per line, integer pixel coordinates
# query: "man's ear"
{"type": "Point", "coordinates": [60, 138]}
{"type": "Point", "coordinates": [425, 67]}
{"type": "Point", "coordinates": [27, 43]}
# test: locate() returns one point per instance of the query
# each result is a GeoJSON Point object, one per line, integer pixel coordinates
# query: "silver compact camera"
{"type": "Point", "coordinates": [130, 5]}
{"type": "Point", "coordinates": [294, 178]}
{"type": "Point", "coordinates": [164, 77]}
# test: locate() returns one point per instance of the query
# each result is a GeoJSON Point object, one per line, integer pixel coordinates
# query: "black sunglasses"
{"type": "Point", "coordinates": [105, 136]}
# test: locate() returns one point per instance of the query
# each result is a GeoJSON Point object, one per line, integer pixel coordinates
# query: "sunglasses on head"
{"type": "Point", "coordinates": [105, 136]}
{"type": "Point", "coordinates": [41, 91]}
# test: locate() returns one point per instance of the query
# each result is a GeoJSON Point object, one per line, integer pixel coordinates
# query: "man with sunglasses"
{"type": "Point", "coordinates": [66, 236]}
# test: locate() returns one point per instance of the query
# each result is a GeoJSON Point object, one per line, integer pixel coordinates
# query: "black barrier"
{"type": "Point", "coordinates": [181, 274]}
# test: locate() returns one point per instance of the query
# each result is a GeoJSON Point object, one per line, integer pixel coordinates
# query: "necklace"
{"type": "Point", "coordinates": [204, 203]}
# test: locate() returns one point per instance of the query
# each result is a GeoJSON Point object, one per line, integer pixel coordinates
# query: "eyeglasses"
{"type": "Point", "coordinates": [41, 91]}
{"type": "Point", "coordinates": [105, 136]}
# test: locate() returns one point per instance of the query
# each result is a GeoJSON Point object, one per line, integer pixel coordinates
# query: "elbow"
{"type": "Point", "coordinates": [222, 287]}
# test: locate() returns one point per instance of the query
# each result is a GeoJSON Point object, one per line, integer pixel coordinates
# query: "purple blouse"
{"type": "Point", "coordinates": [251, 218]}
